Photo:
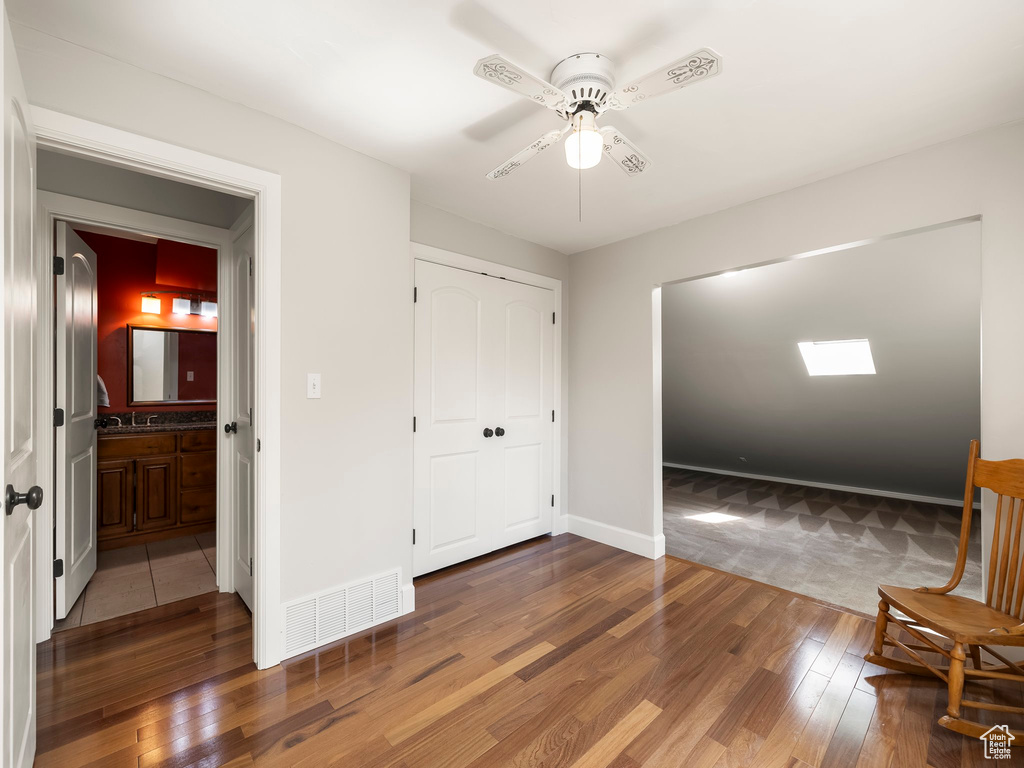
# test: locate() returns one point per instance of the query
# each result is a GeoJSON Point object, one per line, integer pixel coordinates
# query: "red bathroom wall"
{"type": "Point", "coordinates": [124, 270]}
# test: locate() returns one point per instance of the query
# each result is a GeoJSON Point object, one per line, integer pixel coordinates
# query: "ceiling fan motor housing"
{"type": "Point", "coordinates": [587, 79]}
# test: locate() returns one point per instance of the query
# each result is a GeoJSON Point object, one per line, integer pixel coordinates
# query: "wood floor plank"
{"type": "Point", "coordinates": [817, 735]}
{"type": "Point", "coordinates": [615, 741]}
{"type": "Point", "coordinates": [457, 698]}
{"type": "Point", "coordinates": [846, 743]}
{"type": "Point", "coordinates": [557, 652]}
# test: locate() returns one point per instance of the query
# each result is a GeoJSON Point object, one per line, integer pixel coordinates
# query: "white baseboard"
{"type": "Point", "coordinates": [631, 541]}
{"type": "Point", "coordinates": [827, 486]}
{"type": "Point", "coordinates": [408, 599]}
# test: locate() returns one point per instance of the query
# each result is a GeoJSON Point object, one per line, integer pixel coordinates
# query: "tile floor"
{"type": "Point", "coordinates": [831, 545]}
{"type": "Point", "coordinates": [132, 579]}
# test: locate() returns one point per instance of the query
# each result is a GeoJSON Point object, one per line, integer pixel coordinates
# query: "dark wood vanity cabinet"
{"type": "Point", "coordinates": [155, 485]}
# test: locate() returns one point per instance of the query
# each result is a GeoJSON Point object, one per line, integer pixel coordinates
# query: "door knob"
{"type": "Point", "coordinates": [499, 431]}
{"type": "Point", "coordinates": [488, 431]}
{"type": "Point", "coordinates": [231, 428]}
{"type": "Point", "coordinates": [34, 498]}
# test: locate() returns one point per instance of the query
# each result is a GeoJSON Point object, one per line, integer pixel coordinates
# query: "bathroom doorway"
{"type": "Point", "coordinates": [153, 404]}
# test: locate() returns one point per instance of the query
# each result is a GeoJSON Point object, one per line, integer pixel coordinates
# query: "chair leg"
{"type": "Point", "coordinates": [975, 656]}
{"type": "Point", "coordinates": [956, 679]}
{"type": "Point", "coordinates": [881, 622]}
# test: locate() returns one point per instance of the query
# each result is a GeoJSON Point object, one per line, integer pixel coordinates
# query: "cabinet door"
{"type": "Point", "coordinates": [156, 493]}
{"type": "Point", "coordinates": [115, 501]}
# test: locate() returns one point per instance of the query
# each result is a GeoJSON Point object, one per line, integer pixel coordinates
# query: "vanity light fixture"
{"type": "Point", "coordinates": [181, 304]}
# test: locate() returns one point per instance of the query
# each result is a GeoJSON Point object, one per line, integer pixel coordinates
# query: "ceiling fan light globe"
{"type": "Point", "coordinates": [583, 149]}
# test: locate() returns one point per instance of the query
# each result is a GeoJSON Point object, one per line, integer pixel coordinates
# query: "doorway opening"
{"type": "Point", "coordinates": [144, 310]}
{"type": "Point", "coordinates": [154, 329]}
{"type": "Point", "coordinates": [816, 415]}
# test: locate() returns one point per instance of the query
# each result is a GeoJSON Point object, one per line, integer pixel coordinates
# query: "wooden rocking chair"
{"type": "Point", "coordinates": [971, 626]}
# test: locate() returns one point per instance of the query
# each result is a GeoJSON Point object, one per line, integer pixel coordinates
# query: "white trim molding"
{"type": "Point", "coordinates": [642, 544]}
{"type": "Point", "coordinates": [408, 598]}
{"type": "Point", "coordinates": [827, 486]}
{"type": "Point", "coordinates": [83, 138]}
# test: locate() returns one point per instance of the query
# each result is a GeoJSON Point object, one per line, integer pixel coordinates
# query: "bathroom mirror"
{"type": "Point", "coordinates": [170, 366]}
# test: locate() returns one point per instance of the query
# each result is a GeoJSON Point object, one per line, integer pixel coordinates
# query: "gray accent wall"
{"type": "Point", "coordinates": [735, 385]}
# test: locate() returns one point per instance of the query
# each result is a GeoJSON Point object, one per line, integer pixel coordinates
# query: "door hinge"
{"type": "Point", "coordinates": [58, 568]}
{"type": "Point", "coordinates": [58, 265]}
{"type": "Point", "coordinates": [413, 423]}
{"type": "Point", "coordinates": [552, 318]}
{"type": "Point", "coordinates": [414, 536]}
{"type": "Point", "coordinates": [552, 416]}
{"type": "Point", "coordinates": [415, 294]}
{"type": "Point", "coordinates": [58, 417]}
{"type": "Point", "coordinates": [257, 445]}
{"type": "Point", "coordinates": [250, 267]}
{"type": "Point", "coordinates": [250, 566]}
{"type": "Point", "coordinates": [552, 499]}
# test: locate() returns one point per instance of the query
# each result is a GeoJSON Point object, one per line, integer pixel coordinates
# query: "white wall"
{"type": "Point", "coordinates": [346, 301]}
{"type": "Point", "coordinates": [612, 450]}
{"type": "Point", "coordinates": [432, 226]}
{"type": "Point", "coordinates": [346, 283]}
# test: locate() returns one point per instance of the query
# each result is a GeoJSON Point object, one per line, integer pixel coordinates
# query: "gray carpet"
{"type": "Point", "coordinates": [831, 545]}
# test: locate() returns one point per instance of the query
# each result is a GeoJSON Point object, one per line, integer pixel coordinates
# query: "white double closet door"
{"type": "Point", "coordinates": [484, 399]}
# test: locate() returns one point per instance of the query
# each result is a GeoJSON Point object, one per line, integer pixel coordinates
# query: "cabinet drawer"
{"type": "Point", "coordinates": [200, 440]}
{"type": "Point", "coordinates": [198, 470]}
{"type": "Point", "coordinates": [198, 506]}
{"type": "Point", "coordinates": [132, 446]}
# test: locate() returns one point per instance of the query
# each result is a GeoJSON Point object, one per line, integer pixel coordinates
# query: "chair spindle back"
{"type": "Point", "coordinates": [1005, 587]}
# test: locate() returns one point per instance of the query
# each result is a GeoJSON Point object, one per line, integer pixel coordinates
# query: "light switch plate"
{"type": "Point", "coordinates": [312, 386]}
{"type": "Point", "coordinates": [190, 376]}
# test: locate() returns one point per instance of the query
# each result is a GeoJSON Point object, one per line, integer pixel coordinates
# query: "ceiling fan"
{"type": "Point", "coordinates": [582, 88]}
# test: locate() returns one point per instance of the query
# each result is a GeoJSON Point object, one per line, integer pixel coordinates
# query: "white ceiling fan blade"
{"type": "Point", "coordinates": [624, 153]}
{"type": "Point", "coordinates": [501, 71]}
{"type": "Point", "coordinates": [699, 65]}
{"type": "Point", "coordinates": [520, 158]}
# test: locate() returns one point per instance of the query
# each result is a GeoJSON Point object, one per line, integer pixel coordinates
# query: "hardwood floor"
{"type": "Point", "coordinates": [558, 652]}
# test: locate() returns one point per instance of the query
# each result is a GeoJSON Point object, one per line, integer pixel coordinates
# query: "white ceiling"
{"type": "Point", "coordinates": [807, 89]}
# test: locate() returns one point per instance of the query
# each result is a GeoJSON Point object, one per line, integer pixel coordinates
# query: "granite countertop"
{"type": "Point", "coordinates": [128, 429]}
{"type": "Point", "coordinates": [166, 421]}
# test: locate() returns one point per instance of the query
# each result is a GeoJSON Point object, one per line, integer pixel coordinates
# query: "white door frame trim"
{"type": "Point", "coordinates": [559, 522]}
{"type": "Point", "coordinates": [83, 138]}
{"type": "Point", "coordinates": [52, 207]}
